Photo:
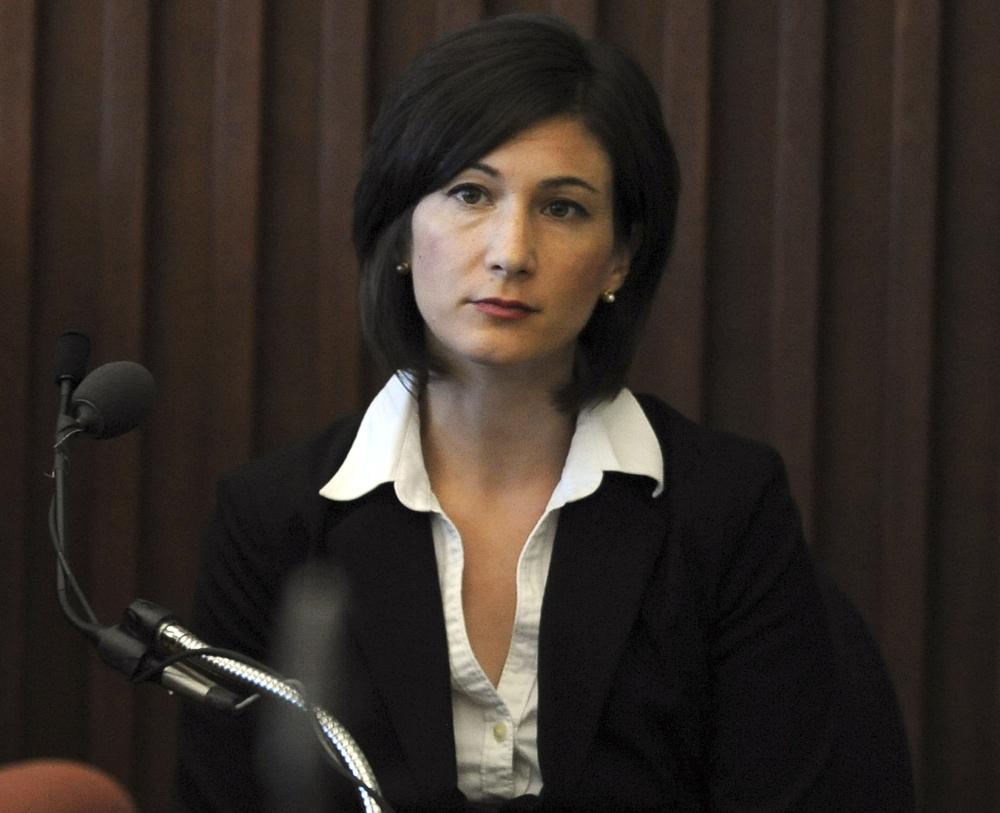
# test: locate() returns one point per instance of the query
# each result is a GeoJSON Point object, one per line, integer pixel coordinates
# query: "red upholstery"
{"type": "Point", "coordinates": [60, 786]}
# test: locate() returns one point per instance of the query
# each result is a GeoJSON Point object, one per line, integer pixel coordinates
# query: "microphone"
{"type": "Point", "coordinates": [110, 401]}
{"type": "Point", "coordinates": [70, 362]}
{"type": "Point", "coordinates": [113, 399]}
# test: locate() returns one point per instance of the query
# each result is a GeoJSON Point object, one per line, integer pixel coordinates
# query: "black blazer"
{"type": "Point", "coordinates": [685, 659]}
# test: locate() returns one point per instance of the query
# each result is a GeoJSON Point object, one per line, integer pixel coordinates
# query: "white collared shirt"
{"type": "Point", "coordinates": [496, 728]}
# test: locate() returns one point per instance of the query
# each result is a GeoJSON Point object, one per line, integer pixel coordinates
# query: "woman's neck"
{"type": "Point", "coordinates": [492, 434]}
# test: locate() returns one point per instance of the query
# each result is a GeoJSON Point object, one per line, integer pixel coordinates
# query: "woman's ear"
{"type": "Point", "coordinates": [634, 240]}
{"type": "Point", "coordinates": [624, 254]}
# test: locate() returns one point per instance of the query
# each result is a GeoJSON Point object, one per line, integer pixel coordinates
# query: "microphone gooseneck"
{"type": "Point", "coordinates": [110, 401]}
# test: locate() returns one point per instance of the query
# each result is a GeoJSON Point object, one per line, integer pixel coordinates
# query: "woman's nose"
{"type": "Point", "coordinates": [511, 248]}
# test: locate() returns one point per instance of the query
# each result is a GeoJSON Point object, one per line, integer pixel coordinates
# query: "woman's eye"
{"type": "Point", "coordinates": [468, 194]}
{"type": "Point", "coordinates": [564, 208]}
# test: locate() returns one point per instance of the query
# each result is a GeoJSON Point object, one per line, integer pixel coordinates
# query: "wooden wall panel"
{"type": "Point", "coordinates": [961, 749]}
{"type": "Point", "coordinates": [453, 14]}
{"type": "Point", "coordinates": [17, 59]}
{"type": "Point", "coordinates": [181, 309]}
{"type": "Point", "coordinates": [851, 366]}
{"type": "Point", "coordinates": [288, 282]}
{"type": "Point", "coordinates": [120, 299]}
{"type": "Point", "coordinates": [740, 245]}
{"type": "Point", "coordinates": [180, 295]}
{"type": "Point", "coordinates": [176, 180]}
{"type": "Point", "coordinates": [582, 14]}
{"type": "Point", "coordinates": [671, 358]}
{"type": "Point", "coordinates": [235, 180]}
{"type": "Point", "coordinates": [66, 230]}
{"type": "Point", "coordinates": [343, 117]}
{"type": "Point", "coordinates": [793, 289]}
{"type": "Point", "coordinates": [910, 277]}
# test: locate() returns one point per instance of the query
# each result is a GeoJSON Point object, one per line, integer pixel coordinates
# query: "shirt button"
{"type": "Point", "coordinates": [500, 732]}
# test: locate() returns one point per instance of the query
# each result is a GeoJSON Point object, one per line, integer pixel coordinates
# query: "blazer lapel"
{"type": "Point", "coordinates": [604, 552]}
{"type": "Point", "coordinates": [398, 620]}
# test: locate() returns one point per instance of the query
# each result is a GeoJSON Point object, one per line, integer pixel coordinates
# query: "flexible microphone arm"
{"type": "Point", "coordinates": [175, 638]}
{"type": "Point", "coordinates": [149, 644]}
{"type": "Point", "coordinates": [70, 366]}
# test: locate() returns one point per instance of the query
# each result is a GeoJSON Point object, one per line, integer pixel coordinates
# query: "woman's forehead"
{"type": "Point", "coordinates": [559, 146]}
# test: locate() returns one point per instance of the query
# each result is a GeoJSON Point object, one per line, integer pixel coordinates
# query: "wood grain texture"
{"type": "Point", "coordinates": [176, 180]}
{"type": "Point", "coordinates": [116, 506]}
{"type": "Point", "coordinates": [795, 275]}
{"type": "Point", "coordinates": [960, 742]}
{"type": "Point", "coordinates": [17, 58]}
{"type": "Point", "coordinates": [902, 611]}
{"type": "Point", "coordinates": [671, 358]}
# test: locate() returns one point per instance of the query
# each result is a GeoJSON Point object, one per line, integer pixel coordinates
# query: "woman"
{"type": "Point", "coordinates": [562, 596]}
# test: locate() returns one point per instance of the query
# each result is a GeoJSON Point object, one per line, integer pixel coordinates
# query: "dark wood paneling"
{"type": "Point", "coordinates": [178, 478]}
{"type": "Point", "coordinates": [851, 386]}
{"type": "Point", "coordinates": [343, 113]}
{"type": "Point", "coordinates": [453, 14]}
{"type": "Point", "coordinates": [910, 273]}
{"type": "Point", "coordinates": [793, 291]}
{"type": "Point", "coordinates": [740, 249]}
{"type": "Point", "coordinates": [235, 184]}
{"type": "Point", "coordinates": [582, 14]}
{"type": "Point", "coordinates": [66, 233]}
{"type": "Point", "coordinates": [120, 298]}
{"type": "Point", "coordinates": [17, 59]}
{"type": "Point", "coordinates": [176, 180]}
{"type": "Point", "coordinates": [671, 358]}
{"type": "Point", "coordinates": [288, 283]}
{"type": "Point", "coordinates": [960, 744]}
{"type": "Point", "coordinates": [180, 295]}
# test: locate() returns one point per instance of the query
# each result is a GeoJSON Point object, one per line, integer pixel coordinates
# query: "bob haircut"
{"type": "Point", "coordinates": [467, 94]}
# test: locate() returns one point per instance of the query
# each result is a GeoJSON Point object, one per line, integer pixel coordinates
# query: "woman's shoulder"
{"type": "Point", "coordinates": [687, 442]}
{"type": "Point", "coordinates": [296, 470]}
{"type": "Point", "coordinates": [710, 466]}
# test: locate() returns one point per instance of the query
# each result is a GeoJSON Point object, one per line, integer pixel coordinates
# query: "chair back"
{"type": "Point", "coordinates": [871, 763]}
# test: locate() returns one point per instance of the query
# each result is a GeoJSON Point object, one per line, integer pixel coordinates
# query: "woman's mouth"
{"type": "Point", "coordinates": [509, 309]}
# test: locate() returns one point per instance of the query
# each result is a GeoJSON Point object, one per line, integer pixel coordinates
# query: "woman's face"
{"type": "Point", "coordinates": [510, 257]}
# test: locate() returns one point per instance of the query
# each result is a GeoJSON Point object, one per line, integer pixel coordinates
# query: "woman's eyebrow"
{"type": "Point", "coordinates": [568, 180]}
{"type": "Point", "coordinates": [548, 183]}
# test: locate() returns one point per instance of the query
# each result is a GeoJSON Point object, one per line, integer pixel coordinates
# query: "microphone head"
{"type": "Point", "coordinates": [113, 399]}
{"type": "Point", "coordinates": [70, 361]}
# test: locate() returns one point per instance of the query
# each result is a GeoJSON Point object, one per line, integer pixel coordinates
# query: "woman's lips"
{"type": "Point", "coordinates": [503, 308]}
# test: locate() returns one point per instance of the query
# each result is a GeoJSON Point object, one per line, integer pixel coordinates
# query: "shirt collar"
{"type": "Point", "coordinates": [613, 435]}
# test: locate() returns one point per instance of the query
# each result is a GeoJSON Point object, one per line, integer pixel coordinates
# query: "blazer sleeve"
{"type": "Point", "coordinates": [770, 658]}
